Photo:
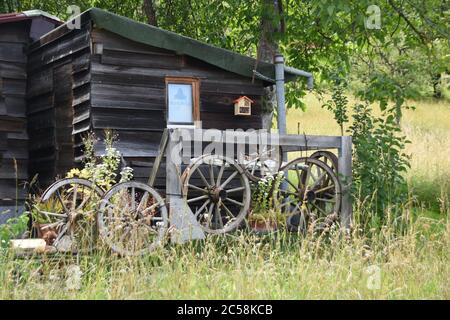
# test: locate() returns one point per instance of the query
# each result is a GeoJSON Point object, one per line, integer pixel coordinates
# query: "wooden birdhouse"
{"type": "Point", "coordinates": [243, 106]}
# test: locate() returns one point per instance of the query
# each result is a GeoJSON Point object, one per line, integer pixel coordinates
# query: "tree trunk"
{"type": "Point", "coordinates": [150, 12]}
{"type": "Point", "coordinates": [267, 48]}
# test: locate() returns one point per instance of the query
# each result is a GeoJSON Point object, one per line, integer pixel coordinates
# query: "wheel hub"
{"type": "Point", "coordinates": [217, 194]}
{"type": "Point", "coordinates": [310, 196]}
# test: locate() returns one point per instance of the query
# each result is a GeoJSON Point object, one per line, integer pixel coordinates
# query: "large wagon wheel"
{"type": "Point", "coordinates": [132, 218]}
{"type": "Point", "coordinates": [310, 195]}
{"type": "Point", "coordinates": [67, 211]}
{"type": "Point", "coordinates": [218, 193]}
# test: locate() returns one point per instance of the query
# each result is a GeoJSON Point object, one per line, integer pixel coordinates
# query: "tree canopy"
{"type": "Point", "coordinates": [387, 45]}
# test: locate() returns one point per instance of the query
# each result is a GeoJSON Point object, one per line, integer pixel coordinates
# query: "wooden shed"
{"type": "Point", "coordinates": [17, 32]}
{"type": "Point", "coordinates": [116, 73]}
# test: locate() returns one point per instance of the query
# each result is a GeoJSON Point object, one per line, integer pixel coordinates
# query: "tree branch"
{"type": "Point", "coordinates": [408, 22]}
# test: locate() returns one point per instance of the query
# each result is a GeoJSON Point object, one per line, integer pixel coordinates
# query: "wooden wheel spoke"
{"type": "Point", "coordinates": [292, 184]}
{"type": "Point", "coordinates": [228, 211]}
{"type": "Point", "coordinates": [211, 174]}
{"type": "Point", "coordinates": [229, 179]}
{"type": "Point", "coordinates": [58, 195]}
{"type": "Point", "coordinates": [235, 202]}
{"type": "Point", "coordinates": [197, 198]}
{"type": "Point", "coordinates": [210, 214]}
{"type": "Point", "coordinates": [316, 182]}
{"type": "Point", "coordinates": [298, 176]}
{"type": "Point", "coordinates": [318, 208]}
{"type": "Point", "coordinates": [219, 176]}
{"type": "Point", "coordinates": [235, 189]}
{"type": "Point", "coordinates": [74, 198]}
{"type": "Point", "coordinates": [326, 200]}
{"type": "Point", "coordinates": [203, 178]}
{"type": "Point", "coordinates": [289, 201]}
{"type": "Point", "coordinates": [197, 188]}
{"type": "Point", "coordinates": [133, 198]}
{"type": "Point", "coordinates": [143, 201]}
{"type": "Point", "coordinates": [151, 208]}
{"type": "Point", "coordinates": [288, 192]}
{"type": "Point", "coordinates": [83, 202]}
{"type": "Point", "coordinates": [218, 217]}
{"type": "Point", "coordinates": [197, 212]}
{"type": "Point", "coordinates": [325, 188]}
{"type": "Point", "coordinates": [52, 214]}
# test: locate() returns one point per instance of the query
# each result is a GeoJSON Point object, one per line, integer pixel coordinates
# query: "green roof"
{"type": "Point", "coordinates": [157, 37]}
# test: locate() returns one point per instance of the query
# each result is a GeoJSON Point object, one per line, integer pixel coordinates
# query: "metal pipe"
{"type": "Point", "coordinates": [279, 81]}
{"type": "Point", "coordinates": [302, 73]}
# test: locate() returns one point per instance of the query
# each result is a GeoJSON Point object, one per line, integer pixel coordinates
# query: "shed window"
{"type": "Point", "coordinates": [182, 101]}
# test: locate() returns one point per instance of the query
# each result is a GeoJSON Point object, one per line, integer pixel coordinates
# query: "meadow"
{"type": "Point", "coordinates": [380, 265]}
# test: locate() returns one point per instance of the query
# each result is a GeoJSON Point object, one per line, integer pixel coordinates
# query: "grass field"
{"type": "Point", "coordinates": [384, 266]}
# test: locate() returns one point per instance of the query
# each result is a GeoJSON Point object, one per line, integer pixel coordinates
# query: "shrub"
{"type": "Point", "coordinates": [103, 169]}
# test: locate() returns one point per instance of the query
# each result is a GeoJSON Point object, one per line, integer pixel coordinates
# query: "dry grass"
{"type": "Point", "coordinates": [247, 267]}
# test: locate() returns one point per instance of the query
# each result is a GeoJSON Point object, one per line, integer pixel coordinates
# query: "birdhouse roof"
{"type": "Point", "coordinates": [243, 98]}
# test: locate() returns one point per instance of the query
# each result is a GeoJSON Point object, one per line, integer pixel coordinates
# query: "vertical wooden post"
{"type": "Point", "coordinates": [345, 173]}
{"type": "Point", "coordinates": [182, 221]}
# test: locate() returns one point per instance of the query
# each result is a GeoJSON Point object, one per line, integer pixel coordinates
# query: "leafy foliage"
{"type": "Point", "coordinates": [338, 104]}
{"type": "Point", "coordinates": [379, 162]}
{"type": "Point", "coordinates": [13, 227]}
{"type": "Point", "coordinates": [104, 169]}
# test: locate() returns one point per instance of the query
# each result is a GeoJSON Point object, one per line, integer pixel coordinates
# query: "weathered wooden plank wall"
{"type": "Point", "coordinates": [128, 95]}
{"type": "Point", "coordinates": [58, 102]}
{"type": "Point", "coordinates": [13, 135]}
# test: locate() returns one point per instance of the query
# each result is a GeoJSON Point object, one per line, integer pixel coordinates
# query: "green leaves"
{"type": "Point", "coordinates": [379, 163]}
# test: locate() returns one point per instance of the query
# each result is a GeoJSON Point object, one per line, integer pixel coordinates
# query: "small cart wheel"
{"type": "Point", "coordinates": [132, 218]}
{"type": "Point", "coordinates": [67, 214]}
{"type": "Point", "coordinates": [217, 191]}
{"type": "Point", "coordinates": [310, 195]}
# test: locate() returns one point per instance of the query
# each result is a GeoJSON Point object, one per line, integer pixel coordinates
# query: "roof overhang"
{"type": "Point", "coordinates": [157, 37]}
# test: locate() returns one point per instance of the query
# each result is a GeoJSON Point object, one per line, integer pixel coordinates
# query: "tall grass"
{"type": "Point", "coordinates": [411, 264]}
{"type": "Point", "coordinates": [280, 266]}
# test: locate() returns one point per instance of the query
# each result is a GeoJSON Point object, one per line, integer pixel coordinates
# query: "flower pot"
{"type": "Point", "coordinates": [262, 227]}
{"type": "Point", "coordinates": [46, 233]}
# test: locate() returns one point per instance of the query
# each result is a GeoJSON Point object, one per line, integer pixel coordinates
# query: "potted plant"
{"type": "Point", "coordinates": [266, 221]}
{"type": "Point", "coordinates": [264, 216]}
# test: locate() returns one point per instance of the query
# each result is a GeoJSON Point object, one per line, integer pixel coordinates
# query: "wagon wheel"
{"type": "Point", "coordinates": [328, 157]}
{"type": "Point", "coordinates": [257, 168]}
{"type": "Point", "coordinates": [218, 193]}
{"type": "Point", "coordinates": [132, 218]}
{"type": "Point", "coordinates": [66, 214]}
{"type": "Point", "coordinates": [310, 195]}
